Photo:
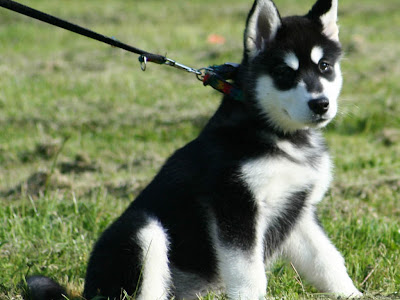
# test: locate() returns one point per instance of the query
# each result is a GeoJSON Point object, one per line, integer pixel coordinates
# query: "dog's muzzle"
{"type": "Point", "coordinates": [319, 106]}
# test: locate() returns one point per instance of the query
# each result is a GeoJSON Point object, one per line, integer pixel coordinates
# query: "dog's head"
{"type": "Point", "coordinates": [292, 65]}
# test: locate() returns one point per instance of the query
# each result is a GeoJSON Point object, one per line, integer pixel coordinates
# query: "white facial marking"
{"type": "Point", "coordinates": [316, 54]}
{"type": "Point", "coordinates": [292, 61]}
{"type": "Point", "coordinates": [288, 110]}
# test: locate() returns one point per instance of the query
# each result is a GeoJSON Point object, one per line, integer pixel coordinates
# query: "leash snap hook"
{"type": "Point", "coordinates": [202, 72]}
{"type": "Point", "coordinates": [143, 62]}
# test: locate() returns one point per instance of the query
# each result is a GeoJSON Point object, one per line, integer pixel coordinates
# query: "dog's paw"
{"type": "Point", "coordinates": [356, 294]}
{"type": "Point", "coordinates": [350, 295]}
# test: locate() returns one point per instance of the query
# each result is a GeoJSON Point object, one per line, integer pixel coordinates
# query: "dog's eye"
{"type": "Point", "coordinates": [324, 66]}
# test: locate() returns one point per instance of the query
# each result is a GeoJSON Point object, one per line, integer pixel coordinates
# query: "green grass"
{"type": "Point", "coordinates": [83, 130]}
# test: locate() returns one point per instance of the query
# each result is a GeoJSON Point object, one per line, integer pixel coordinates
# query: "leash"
{"type": "Point", "coordinates": [214, 76]}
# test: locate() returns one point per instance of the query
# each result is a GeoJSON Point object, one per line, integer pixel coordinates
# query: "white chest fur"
{"type": "Point", "coordinates": [273, 179]}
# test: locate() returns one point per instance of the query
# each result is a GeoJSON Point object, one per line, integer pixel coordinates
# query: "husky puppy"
{"type": "Point", "coordinates": [245, 191]}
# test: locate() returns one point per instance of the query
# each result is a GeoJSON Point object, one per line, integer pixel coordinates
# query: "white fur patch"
{"type": "Point", "coordinates": [286, 110]}
{"type": "Point", "coordinates": [243, 273]}
{"type": "Point", "coordinates": [323, 182]}
{"type": "Point", "coordinates": [155, 274]}
{"type": "Point", "coordinates": [292, 61]}
{"type": "Point", "coordinates": [272, 180]}
{"type": "Point", "coordinates": [316, 54]}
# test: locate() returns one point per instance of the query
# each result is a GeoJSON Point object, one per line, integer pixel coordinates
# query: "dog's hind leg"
{"type": "Point", "coordinates": [156, 277]}
{"type": "Point", "coordinates": [131, 256]}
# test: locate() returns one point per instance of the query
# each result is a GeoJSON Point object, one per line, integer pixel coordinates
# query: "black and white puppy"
{"type": "Point", "coordinates": [245, 191]}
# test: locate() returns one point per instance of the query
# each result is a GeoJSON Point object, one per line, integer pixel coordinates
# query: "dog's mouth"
{"type": "Point", "coordinates": [319, 119]}
{"type": "Point", "coordinates": [314, 121]}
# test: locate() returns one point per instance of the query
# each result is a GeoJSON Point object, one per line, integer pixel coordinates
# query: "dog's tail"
{"type": "Point", "coordinates": [43, 288]}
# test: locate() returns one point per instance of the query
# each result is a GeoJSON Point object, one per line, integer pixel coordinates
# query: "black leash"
{"type": "Point", "coordinates": [218, 81]}
{"type": "Point", "coordinates": [33, 13]}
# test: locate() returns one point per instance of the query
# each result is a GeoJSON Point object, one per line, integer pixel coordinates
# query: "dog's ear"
{"type": "Point", "coordinates": [325, 12]}
{"type": "Point", "coordinates": [262, 24]}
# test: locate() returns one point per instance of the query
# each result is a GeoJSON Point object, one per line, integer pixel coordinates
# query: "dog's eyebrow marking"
{"type": "Point", "coordinates": [316, 54]}
{"type": "Point", "coordinates": [292, 61]}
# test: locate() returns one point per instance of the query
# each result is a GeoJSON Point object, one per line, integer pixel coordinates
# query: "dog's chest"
{"type": "Point", "coordinates": [273, 179]}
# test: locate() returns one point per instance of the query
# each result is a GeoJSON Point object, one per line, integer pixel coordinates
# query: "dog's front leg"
{"type": "Point", "coordinates": [242, 273]}
{"type": "Point", "coordinates": [315, 257]}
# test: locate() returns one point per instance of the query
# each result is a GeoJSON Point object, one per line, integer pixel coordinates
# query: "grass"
{"type": "Point", "coordinates": [83, 130]}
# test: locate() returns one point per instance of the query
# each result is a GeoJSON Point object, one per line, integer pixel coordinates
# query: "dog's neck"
{"type": "Point", "coordinates": [245, 116]}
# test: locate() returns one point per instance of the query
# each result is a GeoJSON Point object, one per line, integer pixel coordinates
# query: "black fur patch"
{"type": "Point", "coordinates": [44, 288]}
{"type": "Point", "coordinates": [114, 262]}
{"type": "Point", "coordinates": [235, 212]}
{"type": "Point", "coordinates": [320, 8]}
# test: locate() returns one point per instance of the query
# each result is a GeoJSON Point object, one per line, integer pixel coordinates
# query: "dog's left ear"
{"type": "Point", "coordinates": [262, 24]}
{"type": "Point", "coordinates": [325, 12]}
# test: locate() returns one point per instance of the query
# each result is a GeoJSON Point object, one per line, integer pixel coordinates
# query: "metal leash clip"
{"type": "Point", "coordinates": [202, 73]}
{"type": "Point", "coordinates": [143, 62]}
{"type": "Point", "coordinates": [173, 63]}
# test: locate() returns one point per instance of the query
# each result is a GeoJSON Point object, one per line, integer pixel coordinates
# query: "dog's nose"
{"type": "Point", "coordinates": [319, 105]}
